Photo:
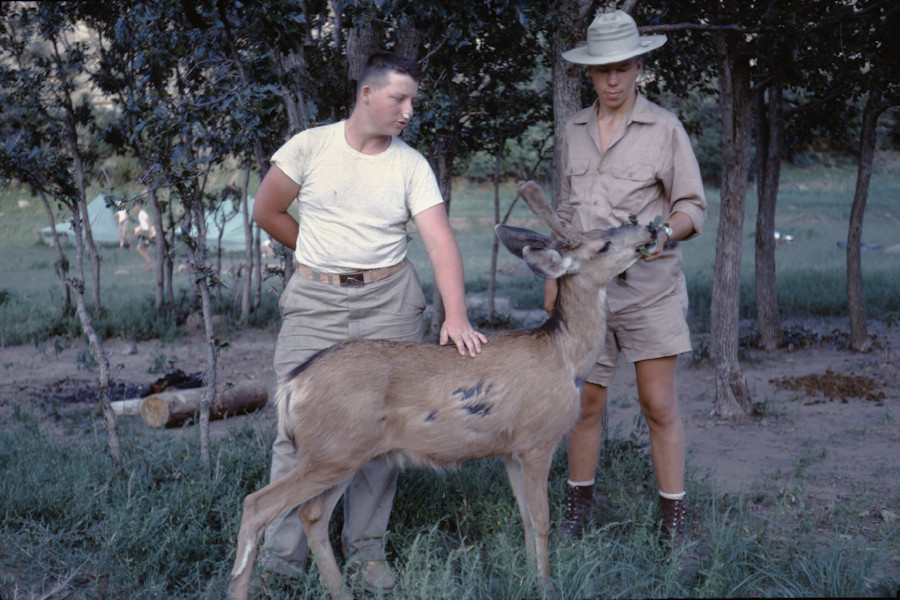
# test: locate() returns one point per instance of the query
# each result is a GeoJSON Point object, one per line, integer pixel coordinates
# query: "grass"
{"type": "Point", "coordinates": [166, 530]}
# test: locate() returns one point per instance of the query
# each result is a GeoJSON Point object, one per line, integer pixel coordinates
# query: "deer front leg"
{"type": "Point", "coordinates": [536, 470]}
{"type": "Point", "coordinates": [315, 516]}
{"type": "Point", "coordinates": [517, 482]}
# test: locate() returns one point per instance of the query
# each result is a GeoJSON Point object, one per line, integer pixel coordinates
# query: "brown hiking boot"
{"type": "Point", "coordinates": [579, 508]}
{"type": "Point", "coordinates": [674, 536]}
{"type": "Point", "coordinates": [672, 527]}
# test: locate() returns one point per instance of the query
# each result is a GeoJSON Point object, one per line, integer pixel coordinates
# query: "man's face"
{"type": "Point", "coordinates": [390, 107]}
{"type": "Point", "coordinates": [615, 83]}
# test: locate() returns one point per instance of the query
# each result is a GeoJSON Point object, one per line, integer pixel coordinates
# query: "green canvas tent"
{"type": "Point", "coordinates": [104, 226]}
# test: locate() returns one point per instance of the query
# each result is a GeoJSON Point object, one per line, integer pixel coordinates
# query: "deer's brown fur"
{"type": "Point", "coordinates": [427, 405]}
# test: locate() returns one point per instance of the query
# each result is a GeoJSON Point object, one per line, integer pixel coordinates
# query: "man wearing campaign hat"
{"type": "Point", "coordinates": [624, 156]}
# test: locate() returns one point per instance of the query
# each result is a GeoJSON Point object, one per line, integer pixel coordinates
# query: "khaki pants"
{"type": "Point", "coordinates": [314, 316]}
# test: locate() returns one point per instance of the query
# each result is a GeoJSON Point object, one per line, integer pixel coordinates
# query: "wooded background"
{"type": "Point", "coordinates": [165, 94]}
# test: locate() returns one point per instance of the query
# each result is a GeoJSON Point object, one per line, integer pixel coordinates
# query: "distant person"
{"type": "Point", "coordinates": [145, 233]}
{"type": "Point", "coordinates": [623, 156]}
{"type": "Point", "coordinates": [122, 218]}
{"type": "Point", "coordinates": [356, 185]}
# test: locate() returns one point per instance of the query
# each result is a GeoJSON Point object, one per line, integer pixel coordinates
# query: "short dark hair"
{"type": "Point", "coordinates": [380, 64]}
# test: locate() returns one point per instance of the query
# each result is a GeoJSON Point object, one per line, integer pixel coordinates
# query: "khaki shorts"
{"type": "Point", "coordinates": [644, 333]}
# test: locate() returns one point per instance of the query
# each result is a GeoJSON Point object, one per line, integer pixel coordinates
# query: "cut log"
{"type": "Point", "coordinates": [130, 406]}
{"type": "Point", "coordinates": [170, 409]}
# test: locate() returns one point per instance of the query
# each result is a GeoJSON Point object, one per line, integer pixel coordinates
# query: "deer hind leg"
{"type": "Point", "coordinates": [260, 508]}
{"type": "Point", "coordinates": [315, 516]}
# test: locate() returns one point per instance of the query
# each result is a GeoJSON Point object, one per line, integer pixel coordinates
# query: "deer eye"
{"type": "Point", "coordinates": [604, 248]}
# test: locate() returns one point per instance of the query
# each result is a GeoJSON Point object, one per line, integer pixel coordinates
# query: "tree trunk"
{"type": "Point", "coordinates": [163, 291]}
{"type": "Point", "coordinates": [93, 252]}
{"type": "Point", "coordinates": [289, 68]}
{"type": "Point", "coordinates": [408, 42]}
{"type": "Point", "coordinates": [856, 302]}
{"type": "Point", "coordinates": [442, 164]}
{"type": "Point", "coordinates": [732, 395]}
{"type": "Point", "coordinates": [62, 263]}
{"type": "Point", "coordinates": [168, 244]}
{"type": "Point", "coordinates": [574, 17]}
{"type": "Point", "coordinates": [257, 262]}
{"type": "Point", "coordinates": [71, 137]}
{"type": "Point", "coordinates": [246, 297]}
{"type": "Point", "coordinates": [76, 284]}
{"type": "Point", "coordinates": [196, 250]}
{"type": "Point", "coordinates": [362, 41]}
{"type": "Point", "coordinates": [160, 270]}
{"type": "Point", "coordinates": [769, 145]}
{"type": "Point", "coordinates": [495, 245]}
{"type": "Point", "coordinates": [209, 375]}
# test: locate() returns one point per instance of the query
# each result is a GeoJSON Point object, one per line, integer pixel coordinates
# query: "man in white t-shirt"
{"type": "Point", "coordinates": [357, 185]}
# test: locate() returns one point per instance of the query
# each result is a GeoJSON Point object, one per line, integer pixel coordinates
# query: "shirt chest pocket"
{"type": "Point", "coordinates": [636, 173]}
{"type": "Point", "coordinates": [631, 186]}
{"type": "Point", "coordinates": [580, 176]}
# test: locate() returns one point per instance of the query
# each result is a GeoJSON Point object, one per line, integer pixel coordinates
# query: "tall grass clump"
{"type": "Point", "coordinates": [160, 529]}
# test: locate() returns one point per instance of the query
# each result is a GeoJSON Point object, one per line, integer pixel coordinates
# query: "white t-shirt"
{"type": "Point", "coordinates": [146, 226]}
{"type": "Point", "coordinates": [353, 207]}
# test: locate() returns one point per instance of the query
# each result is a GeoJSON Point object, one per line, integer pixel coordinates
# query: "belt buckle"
{"type": "Point", "coordinates": [351, 279]}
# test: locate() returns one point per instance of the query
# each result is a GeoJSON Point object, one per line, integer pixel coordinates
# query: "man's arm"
{"type": "Point", "coordinates": [446, 261]}
{"type": "Point", "coordinates": [270, 207]}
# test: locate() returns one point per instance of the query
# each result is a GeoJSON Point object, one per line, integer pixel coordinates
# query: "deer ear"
{"type": "Point", "coordinates": [516, 239]}
{"type": "Point", "coordinates": [547, 263]}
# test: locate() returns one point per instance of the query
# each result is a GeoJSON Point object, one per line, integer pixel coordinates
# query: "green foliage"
{"type": "Point", "coordinates": [521, 160]}
{"type": "Point", "coordinates": [700, 115]}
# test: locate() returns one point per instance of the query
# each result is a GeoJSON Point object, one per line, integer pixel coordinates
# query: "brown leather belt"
{"type": "Point", "coordinates": [350, 279]}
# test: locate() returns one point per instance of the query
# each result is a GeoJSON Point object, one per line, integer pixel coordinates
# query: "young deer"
{"type": "Point", "coordinates": [429, 406]}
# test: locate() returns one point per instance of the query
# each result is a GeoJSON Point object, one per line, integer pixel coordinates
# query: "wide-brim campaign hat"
{"type": "Point", "coordinates": [611, 38]}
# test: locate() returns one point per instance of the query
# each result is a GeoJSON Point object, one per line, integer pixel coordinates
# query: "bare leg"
{"type": "Point", "coordinates": [659, 404]}
{"type": "Point", "coordinates": [586, 438]}
{"type": "Point", "coordinates": [144, 251]}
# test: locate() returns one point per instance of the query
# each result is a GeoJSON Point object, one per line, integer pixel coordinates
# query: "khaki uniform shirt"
{"type": "Point", "coordinates": [648, 170]}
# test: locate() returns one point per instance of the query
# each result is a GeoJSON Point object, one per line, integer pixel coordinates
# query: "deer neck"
{"type": "Point", "coordinates": [578, 325]}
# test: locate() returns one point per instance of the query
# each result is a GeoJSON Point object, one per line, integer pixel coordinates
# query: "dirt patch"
{"type": "Point", "coordinates": [832, 386]}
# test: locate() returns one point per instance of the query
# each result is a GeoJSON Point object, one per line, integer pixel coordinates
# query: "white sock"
{"type": "Point", "coordinates": [672, 496]}
{"type": "Point", "coordinates": [580, 483]}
